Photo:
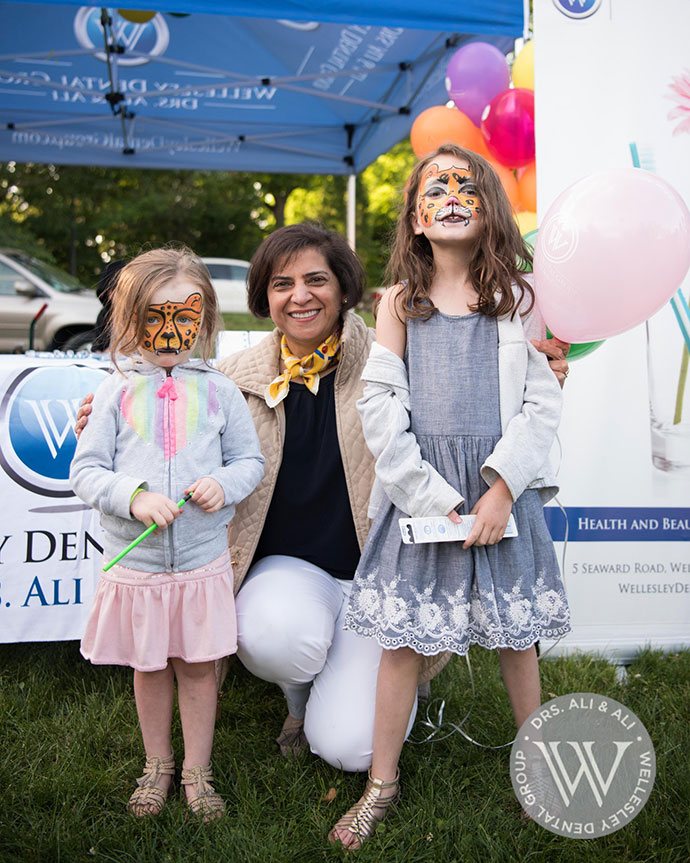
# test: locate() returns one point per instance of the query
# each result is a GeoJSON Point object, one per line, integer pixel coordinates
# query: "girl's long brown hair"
{"type": "Point", "coordinates": [137, 282]}
{"type": "Point", "coordinates": [499, 258]}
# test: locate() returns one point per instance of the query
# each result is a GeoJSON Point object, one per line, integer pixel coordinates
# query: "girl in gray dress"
{"type": "Point", "coordinates": [460, 412]}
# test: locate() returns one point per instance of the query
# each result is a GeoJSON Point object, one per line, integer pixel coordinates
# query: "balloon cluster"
{"type": "Point", "coordinates": [490, 117]}
{"type": "Point", "coordinates": [602, 264]}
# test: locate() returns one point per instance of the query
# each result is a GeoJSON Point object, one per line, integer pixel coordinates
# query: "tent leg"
{"type": "Point", "coordinates": [351, 208]}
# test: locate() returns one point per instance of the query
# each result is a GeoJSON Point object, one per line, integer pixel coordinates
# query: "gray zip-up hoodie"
{"type": "Point", "coordinates": [162, 432]}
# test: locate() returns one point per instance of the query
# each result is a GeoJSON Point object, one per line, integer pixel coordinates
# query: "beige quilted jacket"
{"type": "Point", "coordinates": [252, 370]}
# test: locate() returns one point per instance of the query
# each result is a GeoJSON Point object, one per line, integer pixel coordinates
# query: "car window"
{"type": "Point", "coordinates": [220, 271]}
{"type": "Point", "coordinates": [8, 277]}
{"type": "Point", "coordinates": [239, 272]}
{"type": "Point", "coordinates": [54, 276]}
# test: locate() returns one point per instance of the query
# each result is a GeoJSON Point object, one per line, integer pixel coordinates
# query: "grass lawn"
{"type": "Point", "coordinates": [71, 751]}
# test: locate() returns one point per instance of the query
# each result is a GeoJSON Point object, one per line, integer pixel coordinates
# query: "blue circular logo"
{"type": "Point", "coordinates": [151, 38]}
{"type": "Point", "coordinates": [37, 417]}
{"type": "Point", "coordinates": [577, 8]}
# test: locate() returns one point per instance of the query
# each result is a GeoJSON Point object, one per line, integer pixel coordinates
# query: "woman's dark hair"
{"type": "Point", "coordinates": [497, 262]}
{"type": "Point", "coordinates": [280, 248]}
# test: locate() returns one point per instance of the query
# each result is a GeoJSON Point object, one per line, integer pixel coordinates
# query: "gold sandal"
{"type": "Point", "coordinates": [362, 819]}
{"type": "Point", "coordinates": [207, 803]}
{"type": "Point", "coordinates": [149, 798]}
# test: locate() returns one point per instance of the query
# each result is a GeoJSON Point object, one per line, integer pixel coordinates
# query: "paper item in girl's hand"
{"type": "Point", "coordinates": [442, 529]}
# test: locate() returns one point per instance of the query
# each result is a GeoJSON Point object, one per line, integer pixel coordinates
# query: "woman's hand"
{"type": "Point", "coordinates": [207, 493]}
{"type": "Point", "coordinates": [150, 507]}
{"type": "Point", "coordinates": [557, 351]}
{"type": "Point", "coordinates": [492, 512]}
{"type": "Point", "coordinates": [83, 414]}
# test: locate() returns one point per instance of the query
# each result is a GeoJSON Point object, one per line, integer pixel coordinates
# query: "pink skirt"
{"type": "Point", "coordinates": [142, 619]}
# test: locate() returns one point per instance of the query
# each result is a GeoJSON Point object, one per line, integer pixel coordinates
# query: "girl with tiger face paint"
{"type": "Point", "coordinates": [165, 308]}
{"type": "Point", "coordinates": [167, 426]}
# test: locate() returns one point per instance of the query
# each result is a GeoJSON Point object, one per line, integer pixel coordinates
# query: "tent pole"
{"type": "Point", "coordinates": [351, 208]}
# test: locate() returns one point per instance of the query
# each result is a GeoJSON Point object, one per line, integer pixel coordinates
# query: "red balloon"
{"type": "Point", "coordinates": [508, 127]}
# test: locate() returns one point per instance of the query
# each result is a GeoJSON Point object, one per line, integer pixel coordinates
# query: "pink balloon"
{"type": "Point", "coordinates": [508, 127]}
{"type": "Point", "coordinates": [611, 250]}
{"type": "Point", "coordinates": [475, 74]}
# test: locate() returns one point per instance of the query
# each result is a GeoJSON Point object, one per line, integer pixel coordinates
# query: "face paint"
{"type": "Point", "coordinates": [173, 327]}
{"type": "Point", "coordinates": [447, 192]}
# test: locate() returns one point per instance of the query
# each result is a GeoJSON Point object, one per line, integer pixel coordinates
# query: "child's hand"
{"type": "Point", "coordinates": [151, 507]}
{"type": "Point", "coordinates": [207, 493]}
{"type": "Point", "coordinates": [83, 414]}
{"type": "Point", "coordinates": [492, 511]}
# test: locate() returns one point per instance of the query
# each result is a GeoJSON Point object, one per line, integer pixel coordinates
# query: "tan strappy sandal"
{"type": "Point", "coordinates": [206, 802]}
{"type": "Point", "coordinates": [363, 818]}
{"type": "Point", "coordinates": [149, 798]}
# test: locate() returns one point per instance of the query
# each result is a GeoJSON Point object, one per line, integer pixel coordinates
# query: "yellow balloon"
{"type": "Point", "coordinates": [136, 16]}
{"type": "Point", "coordinates": [526, 221]}
{"type": "Point", "coordinates": [523, 67]}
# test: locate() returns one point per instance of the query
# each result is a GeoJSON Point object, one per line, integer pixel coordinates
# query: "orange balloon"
{"type": "Point", "coordinates": [508, 181]}
{"type": "Point", "coordinates": [527, 187]}
{"type": "Point", "coordinates": [136, 16]}
{"type": "Point", "coordinates": [441, 125]}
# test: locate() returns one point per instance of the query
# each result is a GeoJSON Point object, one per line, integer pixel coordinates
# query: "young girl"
{"type": "Point", "coordinates": [164, 425]}
{"type": "Point", "coordinates": [460, 412]}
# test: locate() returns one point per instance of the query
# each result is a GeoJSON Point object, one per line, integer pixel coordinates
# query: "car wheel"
{"type": "Point", "coordinates": [80, 341]}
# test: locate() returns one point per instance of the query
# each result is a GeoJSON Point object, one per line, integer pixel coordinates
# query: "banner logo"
{"type": "Point", "coordinates": [577, 8]}
{"type": "Point", "coordinates": [582, 765]}
{"type": "Point", "coordinates": [37, 417]}
{"type": "Point", "coordinates": [151, 38]}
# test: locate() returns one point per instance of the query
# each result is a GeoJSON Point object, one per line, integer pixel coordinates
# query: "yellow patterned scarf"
{"type": "Point", "coordinates": [307, 368]}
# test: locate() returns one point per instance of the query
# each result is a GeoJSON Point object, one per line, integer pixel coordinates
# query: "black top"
{"type": "Point", "coordinates": [310, 515]}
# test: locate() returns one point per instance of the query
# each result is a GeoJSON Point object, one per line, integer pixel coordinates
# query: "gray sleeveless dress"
{"type": "Point", "coordinates": [439, 596]}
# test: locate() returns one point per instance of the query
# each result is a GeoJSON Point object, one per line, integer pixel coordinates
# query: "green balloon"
{"type": "Point", "coordinates": [576, 352]}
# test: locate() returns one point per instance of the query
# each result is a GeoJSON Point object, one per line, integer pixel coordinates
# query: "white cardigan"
{"type": "Point", "coordinates": [530, 405]}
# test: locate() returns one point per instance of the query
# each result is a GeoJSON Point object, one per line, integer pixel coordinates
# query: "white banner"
{"type": "Point", "coordinates": [610, 74]}
{"type": "Point", "coordinates": [49, 540]}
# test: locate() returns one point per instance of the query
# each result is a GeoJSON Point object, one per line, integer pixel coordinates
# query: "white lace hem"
{"type": "Point", "coordinates": [455, 644]}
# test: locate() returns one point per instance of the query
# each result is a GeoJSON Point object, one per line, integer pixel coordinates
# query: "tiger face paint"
{"type": "Point", "coordinates": [173, 327]}
{"type": "Point", "coordinates": [447, 196]}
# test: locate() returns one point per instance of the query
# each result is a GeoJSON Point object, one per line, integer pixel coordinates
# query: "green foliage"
{"type": "Point", "coordinates": [84, 217]}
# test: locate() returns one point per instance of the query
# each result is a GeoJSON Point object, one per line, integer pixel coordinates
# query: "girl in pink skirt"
{"type": "Point", "coordinates": [165, 425]}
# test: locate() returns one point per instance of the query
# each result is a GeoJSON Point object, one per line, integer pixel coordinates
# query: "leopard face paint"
{"type": "Point", "coordinates": [447, 195]}
{"type": "Point", "coordinates": [173, 327]}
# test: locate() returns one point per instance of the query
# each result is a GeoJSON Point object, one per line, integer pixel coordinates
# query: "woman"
{"type": "Point", "coordinates": [295, 542]}
{"type": "Point", "coordinates": [298, 539]}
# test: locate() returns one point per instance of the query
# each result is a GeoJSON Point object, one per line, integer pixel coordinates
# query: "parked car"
{"type": "Point", "coordinates": [26, 285]}
{"type": "Point", "coordinates": [229, 277]}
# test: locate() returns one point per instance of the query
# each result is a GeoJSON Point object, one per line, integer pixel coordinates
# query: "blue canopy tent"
{"type": "Point", "coordinates": [288, 86]}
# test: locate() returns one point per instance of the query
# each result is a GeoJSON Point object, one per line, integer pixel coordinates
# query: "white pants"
{"type": "Point", "coordinates": [290, 632]}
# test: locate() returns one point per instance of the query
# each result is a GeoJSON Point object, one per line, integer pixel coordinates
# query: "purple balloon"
{"type": "Point", "coordinates": [475, 74]}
